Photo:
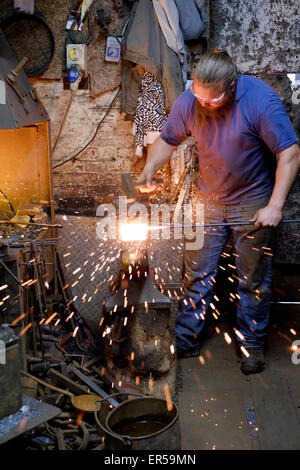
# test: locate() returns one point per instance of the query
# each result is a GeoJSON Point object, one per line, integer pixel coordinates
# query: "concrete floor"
{"type": "Point", "coordinates": [222, 409]}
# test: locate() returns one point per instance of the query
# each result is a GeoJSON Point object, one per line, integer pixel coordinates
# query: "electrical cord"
{"type": "Point", "coordinates": [76, 37]}
{"type": "Point", "coordinates": [95, 133]}
{"type": "Point", "coordinates": [64, 120]}
{"type": "Point", "coordinates": [10, 204]}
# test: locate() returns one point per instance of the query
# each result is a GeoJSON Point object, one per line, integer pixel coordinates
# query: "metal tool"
{"type": "Point", "coordinates": [128, 185]}
{"type": "Point", "coordinates": [12, 75]}
{"type": "Point", "coordinates": [221, 224]}
{"type": "Point", "coordinates": [179, 185]}
{"type": "Point", "coordinates": [93, 386]}
{"type": "Point", "coordinates": [30, 223]}
{"type": "Point", "coordinates": [87, 403]}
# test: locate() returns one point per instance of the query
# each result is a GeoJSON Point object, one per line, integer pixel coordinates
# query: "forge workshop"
{"type": "Point", "coordinates": [149, 227]}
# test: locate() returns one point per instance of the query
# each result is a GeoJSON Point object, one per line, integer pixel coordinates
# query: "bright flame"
{"type": "Point", "coordinates": [131, 232]}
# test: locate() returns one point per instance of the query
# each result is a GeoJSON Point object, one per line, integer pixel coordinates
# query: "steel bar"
{"type": "Point", "coordinates": [93, 386]}
{"type": "Point", "coordinates": [11, 273]}
{"type": "Point", "coordinates": [221, 224]}
{"type": "Point", "coordinates": [30, 223]}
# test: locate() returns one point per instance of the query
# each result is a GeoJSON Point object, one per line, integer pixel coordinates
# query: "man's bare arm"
{"type": "Point", "coordinates": [286, 173]}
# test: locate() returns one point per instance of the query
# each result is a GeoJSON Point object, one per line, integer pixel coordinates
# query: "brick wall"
{"type": "Point", "coordinates": [94, 174]}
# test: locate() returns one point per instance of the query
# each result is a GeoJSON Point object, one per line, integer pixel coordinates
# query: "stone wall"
{"type": "Point", "coordinates": [261, 36]}
{"type": "Point", "coordinates": [94, 175]}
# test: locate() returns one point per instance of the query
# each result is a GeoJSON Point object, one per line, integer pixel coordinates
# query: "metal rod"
{"type": "Point", "coordinates": [11, 273]}
{"type": "Point", "coordinates": [221, 224]}
{"type": "Point", "coordinates": [30, 223]}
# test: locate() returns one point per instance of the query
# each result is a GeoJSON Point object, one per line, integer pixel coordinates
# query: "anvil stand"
{"type": "Point", "coordinates": [139, 326]}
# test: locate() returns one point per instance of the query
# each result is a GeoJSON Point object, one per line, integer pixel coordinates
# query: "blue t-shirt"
{"type": "Point", "coordinates": [236, 152]}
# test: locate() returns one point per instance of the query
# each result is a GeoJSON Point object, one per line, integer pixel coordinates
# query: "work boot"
{"type": "Point", "coordinates": [255, 362]}
{"type": "Point", "coordinates": [186, 353]}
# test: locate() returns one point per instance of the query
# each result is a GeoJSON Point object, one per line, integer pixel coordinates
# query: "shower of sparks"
{"type": "Point", "coordinates": [227, 338]}
{"type": "Point", "coordinates": [151, 385]}
{"type": "Point", "coordinates": [239, 334]}
{"type": "Point", "coordinates": [19, 318]}
{"type": "Point", "coordinates": [202, 360]}
{"type": "Point", "coordinates": [22, 332]}
{"type": "Point", "coordinates": [169, 402]}
{"type": "Point", "coordinates": [24, 284]}
{"type": "Point", "coordinates": [50, 318]}
{"type": "Point", "coordinates": [75, 331]}
{"type": "Point", "coordinates": [208, 354]}
{"type": "Point", "coordinates": [244, 351]}
{"type": "Point", "coordinates": [70, 316]}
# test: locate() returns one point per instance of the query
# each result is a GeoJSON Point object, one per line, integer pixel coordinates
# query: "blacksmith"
{"type": "Point", "coordinates": [240, 126]}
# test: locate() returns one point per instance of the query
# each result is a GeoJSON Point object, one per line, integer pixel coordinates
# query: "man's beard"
{"type": "Point", "coordinates": [206, 113]}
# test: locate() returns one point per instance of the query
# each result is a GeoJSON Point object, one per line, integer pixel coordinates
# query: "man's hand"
{"type": "Point", "coordinates": [267, 217]}
{"type": "Point", "coordinates": [145, 184]}
{"type": "Point", "coordinates": [286, 172]}
{"type": "Point", "coordinates": [159, 153]}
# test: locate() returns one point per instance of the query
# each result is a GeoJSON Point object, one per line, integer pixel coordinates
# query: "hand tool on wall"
{"type": "Point", "coordinates": [12, 76]}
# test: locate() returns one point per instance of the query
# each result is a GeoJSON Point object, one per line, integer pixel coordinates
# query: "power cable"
{"type": "Point", "coordinates": [10, 204]}
{"type": "Point", "coordinates": [64, 120]}
{"type": "Point", "coordinates": [91, 140]}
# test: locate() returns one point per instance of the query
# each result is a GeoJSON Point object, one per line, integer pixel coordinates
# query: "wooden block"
{"type": "Point", "coordinates": [29, 387]}
{"type": "Point", "coordinates": [29, 208]}
{"type": "Point", "coordinates": [40, 218]}
{"type": "Point", "coordinates": [21, 220]}
{"type": "Point", "coordinates": [66, 382]}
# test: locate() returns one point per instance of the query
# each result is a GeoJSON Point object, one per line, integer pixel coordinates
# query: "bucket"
{"type": "Point", "coordinates": [143, 423]}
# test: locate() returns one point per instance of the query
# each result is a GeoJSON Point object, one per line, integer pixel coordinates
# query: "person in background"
{"type": "Point", "coordinates": [239, 125]}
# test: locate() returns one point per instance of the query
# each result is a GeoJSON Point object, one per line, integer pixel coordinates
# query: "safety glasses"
{"type": "Point", "coordinates": [206, 100]}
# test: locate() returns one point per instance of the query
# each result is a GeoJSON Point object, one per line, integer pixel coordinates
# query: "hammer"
{"type": "Point", "coordinates": [128, 185]}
